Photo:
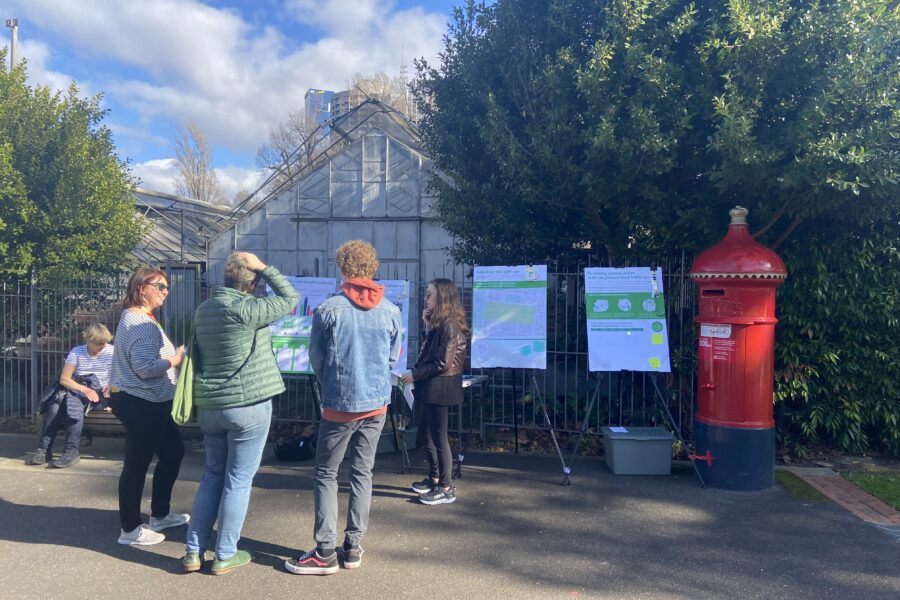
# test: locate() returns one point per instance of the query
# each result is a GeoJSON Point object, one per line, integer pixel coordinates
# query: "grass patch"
{"type": "Point", "coordinates": [797, 488]}
{"type": "Point", "coordinates": [884, 486]}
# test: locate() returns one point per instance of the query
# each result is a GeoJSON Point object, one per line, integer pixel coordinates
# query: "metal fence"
{"type": "Point", "coordinates": [40, 325]}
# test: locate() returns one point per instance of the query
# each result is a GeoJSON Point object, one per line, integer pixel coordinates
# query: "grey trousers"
{"type": "Point", "coordinates": [333, 441]}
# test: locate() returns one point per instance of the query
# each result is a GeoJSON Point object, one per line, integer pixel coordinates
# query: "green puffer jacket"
{"type": "Point", "coordinates": [234, 362]}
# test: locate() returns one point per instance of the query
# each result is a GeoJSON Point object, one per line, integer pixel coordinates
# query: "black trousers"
{"type": "Point", "coordinates": [149, 431]}
{"type": "Point", "coordinates": [437, 445]}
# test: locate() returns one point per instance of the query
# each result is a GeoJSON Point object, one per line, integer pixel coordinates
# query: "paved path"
{"type": "Point", "coordinates": [862, 504]}
{"type": "Point", "coordinates": [514, 533]}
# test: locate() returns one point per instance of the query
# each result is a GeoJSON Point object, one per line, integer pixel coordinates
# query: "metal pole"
{"type": "Point", "coordinates": [35, 391]}
{"type": "Point", "coordinates": [13, 25]}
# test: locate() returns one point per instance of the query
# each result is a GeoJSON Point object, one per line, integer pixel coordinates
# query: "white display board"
{"type": "Point", "coordinates": [626, 320]}
{"type": "Point", "coordinates": [397, 291]}
{"type": "Point", "coordinates": [290, 334]}
{"type": "Point", "coordinates": [509, 317]}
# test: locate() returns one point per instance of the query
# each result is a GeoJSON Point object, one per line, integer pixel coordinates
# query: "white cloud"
{"type": "Point", "coordinates": [181, 59]}
{"type": "Point", "coordinates": [159, 175]}
{"type": "Point", "coordinates": [346, 16]}
{"type": "Point", "coordinates": [37, 55]}
{"type": "Point", "coordinates": [237, 179]}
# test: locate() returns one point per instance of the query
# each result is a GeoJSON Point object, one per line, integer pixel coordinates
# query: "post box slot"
{"type": "Point", "coordinates": [712, 292]}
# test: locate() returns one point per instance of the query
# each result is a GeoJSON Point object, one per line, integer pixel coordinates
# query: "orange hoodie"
{"type": "Point", "coordinates": [365, 294]}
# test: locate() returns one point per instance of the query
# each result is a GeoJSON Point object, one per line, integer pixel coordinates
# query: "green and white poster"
{"type": "Point", "coordinates": [290, 334]}
{"type": "Point", "coordinates": [509, 317]}
{"type": "Point", "coordinates": [626, 320]}
{"type": "Point", "coordinates": [397, 291]}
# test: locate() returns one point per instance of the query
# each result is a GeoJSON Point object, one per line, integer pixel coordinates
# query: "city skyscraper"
{"type": "Point", "coordinates": [317, 107]}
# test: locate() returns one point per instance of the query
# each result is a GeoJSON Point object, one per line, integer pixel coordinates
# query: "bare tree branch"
{"type": "Point", "coordinates": [778, 214]}
{"type": "Point", "coordinates": [787, 232]}
{"type": "Point", "coordinates": [196, 178]}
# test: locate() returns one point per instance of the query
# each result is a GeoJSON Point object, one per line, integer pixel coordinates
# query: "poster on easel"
{"type": "Point", "coordinates": [397, 291]}
{"type": "Point", "coordinates": [626, 319]}
{"type": "Point", "coordinates": [509, 317]}
{"type": "Point", "coordinates": [290, 334]}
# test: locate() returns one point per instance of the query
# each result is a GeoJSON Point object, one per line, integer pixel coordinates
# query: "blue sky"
{"type": "Point", "coordinates": [235, 68]}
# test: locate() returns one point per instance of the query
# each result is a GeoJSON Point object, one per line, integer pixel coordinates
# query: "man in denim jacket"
{"type": "Point", "coordinates": [354, 344]}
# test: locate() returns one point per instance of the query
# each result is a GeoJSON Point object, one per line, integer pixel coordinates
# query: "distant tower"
{"type": "Point", "coordinates": [317, 107]}
{"type": "Point", "coordinates": [409, 102]}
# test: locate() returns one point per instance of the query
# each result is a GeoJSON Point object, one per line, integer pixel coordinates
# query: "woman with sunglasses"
{"type": "Point", "coordinates": [142, 380]}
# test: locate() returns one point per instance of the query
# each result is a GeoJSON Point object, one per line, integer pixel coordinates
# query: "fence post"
{"type": "Point", "coordinates": [32, 291]}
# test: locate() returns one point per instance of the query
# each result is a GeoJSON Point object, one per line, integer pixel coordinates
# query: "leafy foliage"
{"type": "Point", "coordinates": [634, 125]}
{"type": "Point", "coordinates": [630, 127]}
{"type": "Point", "coordinates": [839, 338]}
{"type": "Point", "coordinates": [65, 198]}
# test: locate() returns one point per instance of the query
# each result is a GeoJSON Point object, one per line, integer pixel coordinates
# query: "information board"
{"type": "Point", "coordinates": [509, 317]}
{"type": "Point", "coordinates": [290, 334]}
{"type": "Point", "coordinates": [397, 291]}
{"type": "Point", "coordinates": [626, 320]}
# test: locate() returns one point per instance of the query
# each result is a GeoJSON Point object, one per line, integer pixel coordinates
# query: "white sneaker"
{"type": "Point", "coordinates": [141, 536]}
{"type": "Point", "coordinates": [170, 520]}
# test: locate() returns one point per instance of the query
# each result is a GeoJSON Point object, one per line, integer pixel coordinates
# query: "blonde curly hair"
{"type": "Point", "coordinates": [357, 258]}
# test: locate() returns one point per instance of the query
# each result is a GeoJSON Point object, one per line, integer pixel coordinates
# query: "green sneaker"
{"type": "Point", "coordinates": [240, 558]}
{"type": "Point", "coordinates": [192, 561]}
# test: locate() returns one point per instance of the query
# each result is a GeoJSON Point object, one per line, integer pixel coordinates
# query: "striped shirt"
{"type": "Point", "coordinates": [139, 365]}
{"type": "Point", "coordinates": [85, 364]}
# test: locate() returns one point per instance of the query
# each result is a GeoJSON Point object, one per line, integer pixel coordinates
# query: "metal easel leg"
{"type": "Point", "coordinates": [549, 424]}
{"type": "Point", "coordinates": [399, 436]}
{"type": "Point", "coordinates": [584, 425]}
{"type": "Point", "coordinates": [675, 428]}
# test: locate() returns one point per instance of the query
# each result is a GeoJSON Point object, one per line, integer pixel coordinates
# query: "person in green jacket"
{"type": "Point", "coordinates": [235, 378]}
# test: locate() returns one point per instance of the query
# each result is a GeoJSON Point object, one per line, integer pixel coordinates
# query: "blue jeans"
{"type": "Point", "coordinates": [234, 439]}
{"type": "Point", "coordinates": [361, 437]}
{"type": "Point", "coordinates": [55, 417]}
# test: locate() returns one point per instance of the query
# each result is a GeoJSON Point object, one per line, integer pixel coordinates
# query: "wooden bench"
{"type": "Point", "coordinates": [107, 424]}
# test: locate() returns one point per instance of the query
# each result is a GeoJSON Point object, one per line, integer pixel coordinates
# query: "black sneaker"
{"type": "Point", "coordinates": [351, 557]}
{"type": "Point", "coordinates": [68, 458]}
{"type": "Point", "coordinates": [424, 486]}
{"type": "Point", "coordinates": [438, 495]}
{"type": "Point", "coordinates": [312, 563]}
{"type": "Point", "coordinates": [40, 457]}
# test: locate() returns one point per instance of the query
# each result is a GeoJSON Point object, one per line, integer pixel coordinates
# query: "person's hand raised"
{"type": "Point", "coordinates": [252, 262]}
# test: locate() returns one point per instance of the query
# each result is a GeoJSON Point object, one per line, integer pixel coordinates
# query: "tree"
{"type": "Point", "coordinates": [631, 127]}
{"type": "Point", "coordinates": [393, 91]}
{"type": "Point", "coordinates": [196, 178]}
{"type": "Point", "coordinates": [291, 146]}
{"type": "Point", "coordinates": [634, 126]}
{"type": "Point", "coordinates": [295, 142]}
{"type": "Point", "coordinates": [65, 198]}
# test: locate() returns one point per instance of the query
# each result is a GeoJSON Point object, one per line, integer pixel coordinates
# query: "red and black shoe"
{"type": "Point", "coordinates": [313, 563]}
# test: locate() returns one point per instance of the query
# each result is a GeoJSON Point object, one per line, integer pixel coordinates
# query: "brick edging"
{"type": "Point", "coordinates": [860, 503]}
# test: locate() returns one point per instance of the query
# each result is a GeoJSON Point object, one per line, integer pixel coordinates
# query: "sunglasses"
{"type": "Point", "coordinates": [162, 287]}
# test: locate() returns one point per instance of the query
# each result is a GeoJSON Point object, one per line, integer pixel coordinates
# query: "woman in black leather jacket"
{"type": "Point", "coordinates": [438, 385]}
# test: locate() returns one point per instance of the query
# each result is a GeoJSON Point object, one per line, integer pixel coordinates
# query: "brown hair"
{"type": "Point", "coordinates": [140, 278]}
{"type": "Point", "coordinates": [447, 304]}
{"type": "Point", "coordinates": [357, 258]}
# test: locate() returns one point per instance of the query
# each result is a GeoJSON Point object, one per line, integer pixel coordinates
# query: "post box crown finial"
{"type": "Point", "coordinates": [738, 215]}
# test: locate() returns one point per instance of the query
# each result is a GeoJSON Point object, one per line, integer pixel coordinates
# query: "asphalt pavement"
{"type": "Point", "coordinates": [514, 532]}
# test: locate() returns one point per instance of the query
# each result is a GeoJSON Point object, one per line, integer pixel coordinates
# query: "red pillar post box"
{"type": "Point", "coordinates": [734, 430]}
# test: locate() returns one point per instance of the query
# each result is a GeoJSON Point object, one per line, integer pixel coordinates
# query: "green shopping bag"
{"type": "Point", "coordinates": [183, 404]}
